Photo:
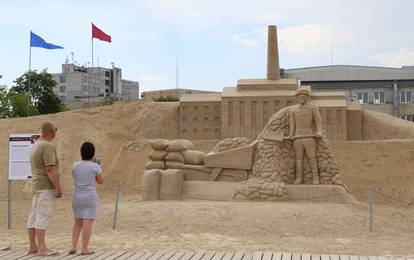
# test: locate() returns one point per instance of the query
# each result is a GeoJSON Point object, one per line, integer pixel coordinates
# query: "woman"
{"type": "Point", "coordinates": [86, 174]}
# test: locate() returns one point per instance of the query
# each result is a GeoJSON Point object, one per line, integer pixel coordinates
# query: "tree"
{"type": "Point", "coordinates": [5, 106]}
{"type": "Point", "coordinates": [40, 90]}
{"type": "Point", "coordinates": [166, 99]}
{"type": "Point", "coordinates": [108, 101]}
{"type": "Point", "coordinates": [21, 105]}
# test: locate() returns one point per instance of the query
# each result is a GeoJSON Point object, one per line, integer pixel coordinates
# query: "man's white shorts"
{"type": "Point", "coordinates": [43, 205]}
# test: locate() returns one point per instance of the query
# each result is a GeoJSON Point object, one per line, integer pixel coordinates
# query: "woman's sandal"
{"type": "Point", "coordinates": [72, 252]}
{"type": "Point", "coordinates": [89, 253]}
{"type": "Point", "coordinates": [49, 253]}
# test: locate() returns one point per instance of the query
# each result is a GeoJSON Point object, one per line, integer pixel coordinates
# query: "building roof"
{"type": "Point", "coordinates": [181, 90]}
{"type": "Point", "coordinates": [350, 73]}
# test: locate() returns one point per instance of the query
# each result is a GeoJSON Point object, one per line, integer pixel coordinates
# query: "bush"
{"type": "Point", "coordinates": [166, 99]}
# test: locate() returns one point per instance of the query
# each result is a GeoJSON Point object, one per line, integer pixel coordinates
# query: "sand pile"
{"type": "Point", "coordinates": [378, 126]}
{"type": "Point", "coordinates": [120, 133]}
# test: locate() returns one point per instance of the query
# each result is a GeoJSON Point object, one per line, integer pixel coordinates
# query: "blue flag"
{"type": "Point", "coordinates": [37, 41]}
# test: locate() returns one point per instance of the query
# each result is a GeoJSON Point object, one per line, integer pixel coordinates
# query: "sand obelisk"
{"type": "Point", "coordinates": [273, 71]}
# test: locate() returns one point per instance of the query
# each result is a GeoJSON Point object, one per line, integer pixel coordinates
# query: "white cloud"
{"type": "Point", "coordinates": [197, 14]}
{"type": "Point", "coordinates": [316, 39]}
{"type": "Point", "coordinates": [401, 57]}
{"type": "Point", "coordinates": [152, 78]}
{"type": "Point", "coordinates": [243, 40]}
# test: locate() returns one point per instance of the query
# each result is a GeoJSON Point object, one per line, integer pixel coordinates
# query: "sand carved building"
{"type": "Point", "coordinates": [245, 109]}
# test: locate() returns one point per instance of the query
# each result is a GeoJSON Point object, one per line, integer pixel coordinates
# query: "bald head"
{"type": "Point", "coordinates": [48, 131]}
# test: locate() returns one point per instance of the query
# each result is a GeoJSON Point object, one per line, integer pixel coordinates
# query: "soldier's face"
{"type": "Point", "coordinates": [302, 98]}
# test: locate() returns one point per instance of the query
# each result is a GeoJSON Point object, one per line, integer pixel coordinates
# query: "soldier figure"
{"type": "Point", "coordinates": [302, 117]}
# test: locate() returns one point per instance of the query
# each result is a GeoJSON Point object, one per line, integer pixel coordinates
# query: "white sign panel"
{"type": "Point", "coordinates": [19, 155]}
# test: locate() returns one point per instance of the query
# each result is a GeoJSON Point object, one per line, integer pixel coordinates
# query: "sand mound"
{"type": "Point", "coordinates": [120, 133]}
{"type": "Point", "coordinates": [378, 126]}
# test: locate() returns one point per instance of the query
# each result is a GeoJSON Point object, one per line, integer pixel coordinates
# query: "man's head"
{"type": "Point", "coordinates": [303, 95]}
{"type": "Point", "coordinates": [48, 131]}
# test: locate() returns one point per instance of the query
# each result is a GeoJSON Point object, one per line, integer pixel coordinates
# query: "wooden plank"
{"type": "Point", "coordinates": [361, 258]}
{"type": "Point", "coordinates": [24, 257]}
{"type": "Point", "coordinates": [198, 256]}
{"type": "Point", "coordinates": [353, 257]}
{"type": "Point", "coordinates": [6, 252]}
{"type": "Point", "coordinates": [208, 255]}
{"type": "Point", "coordinates": [267, 255]}
{"type": "Point", "coordinates": [326, 257]}
{"type": "Point", "coordinates": [187, 256]}
{"type": "Point", "coordinates": [228, 256]}
{"type": "Point", "coordinates": [336, 257]}
{"type": "Point", "coordinates": [248, 256]}
{"type": "Point", "coordinates": [297, 256]}
{"type": "Point", "coordinates": [238, 256]}
{"type": "Point", "coordinates": [345, 257]}
{"type": "Point", "coordinates": [176, 256]}
{"type": "Point", "coordinates": [257, 256]}
{"type": "Point", "coordinates": [157, 255]}
{"type": "Point", "coordinates": [144, 256]}
{"type": "Point", "coordinates": [306, 257]}
{"type": "Point", "coordinates": [218, 256]}
{"type": "Point", "coordinates": [283, 256]}
{"type": "Point", "coordinates": [98, 255]}
{"type": "Point", "coordinates": [117, 255]}
{"type": "Point", "coordinates": [315, 256]}
{"type": "Point", "coordinates": [167, 255]}
{"type": "Point", "coordinates": [16, 255]}
{"type": "Point", "coordinates": [128, 255]}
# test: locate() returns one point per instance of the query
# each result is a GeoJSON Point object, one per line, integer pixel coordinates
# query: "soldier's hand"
{"type": "Point", "coordinates": [319, 135]}
{"type": "Point", "coordinates": [58, 193]}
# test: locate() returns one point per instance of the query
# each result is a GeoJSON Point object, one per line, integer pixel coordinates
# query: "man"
{"type": "Point", "coordinates": [46, 188]}
{"type": "Point", "coordinates": [302, 117]}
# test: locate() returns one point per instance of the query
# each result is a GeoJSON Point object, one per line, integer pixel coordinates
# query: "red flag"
{"type": "Point", "coordinates": [99, 34]}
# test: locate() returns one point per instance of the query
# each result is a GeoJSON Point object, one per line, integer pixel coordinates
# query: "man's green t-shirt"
{"type": "Point", "coordinates": [42, 154]}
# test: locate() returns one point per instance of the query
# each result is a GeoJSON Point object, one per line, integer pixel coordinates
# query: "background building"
{"type": "Point", "coordinates": [382, 89]}
{"type": "Point", "coordinates": [149, 96]}
{"type": "Point", "coordinates": [78, 86]}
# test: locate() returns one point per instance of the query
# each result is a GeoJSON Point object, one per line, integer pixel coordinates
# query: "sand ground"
{"type": "Point", "coordinates": [225, 226]}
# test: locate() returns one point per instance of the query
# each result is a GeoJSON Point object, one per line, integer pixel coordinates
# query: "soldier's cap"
{"type": "Point", "coordinates": [304, 91]}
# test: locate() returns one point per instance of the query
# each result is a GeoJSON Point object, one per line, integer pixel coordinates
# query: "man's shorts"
{"type": "Point", "coordinates": [43, 205]}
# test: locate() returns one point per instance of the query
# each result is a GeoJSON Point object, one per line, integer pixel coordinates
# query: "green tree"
{"type": "Point", "coordinates": [40, 90]}
{"type": "Point", "coordinates": [108, 101]}
{"type": "Point", "coordinates": [166, 99]}
{"type": "Point", "coordinates": [5, 106]}
{"type": "Point", "coordinates": [21, 105]}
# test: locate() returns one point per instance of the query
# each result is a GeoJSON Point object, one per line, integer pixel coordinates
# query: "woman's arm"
{"type": "Point", "coordinates": [99, 179]}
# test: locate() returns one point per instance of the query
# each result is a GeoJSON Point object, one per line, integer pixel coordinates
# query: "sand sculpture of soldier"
{"type": "Point", "coordinates": [301, 119]}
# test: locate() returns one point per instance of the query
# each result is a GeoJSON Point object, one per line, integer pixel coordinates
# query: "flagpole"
{"type": "Point", "coordinates": [92, 44]}
{"type": "Point", "coordinates": [30, 67]}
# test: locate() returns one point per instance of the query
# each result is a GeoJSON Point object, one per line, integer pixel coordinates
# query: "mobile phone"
{"type": "Point", "coordinates": [98, 161]}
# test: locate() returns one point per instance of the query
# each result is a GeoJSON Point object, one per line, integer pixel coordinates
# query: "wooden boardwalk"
{"type": "Point", "coordinates": [202, 255]}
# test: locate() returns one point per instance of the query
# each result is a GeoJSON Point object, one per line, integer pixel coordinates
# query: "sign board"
{"type": "Point", "coordinates": [19, 155]}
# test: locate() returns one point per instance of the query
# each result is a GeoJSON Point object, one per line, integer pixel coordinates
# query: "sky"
{"type": "Point", "coordinates": [214, 42]}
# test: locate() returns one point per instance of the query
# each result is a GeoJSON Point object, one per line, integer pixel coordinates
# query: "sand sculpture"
{"type": "Point", "coordinates": [288, 151]}
{"type": "Point", "coordinates": [257, 161]}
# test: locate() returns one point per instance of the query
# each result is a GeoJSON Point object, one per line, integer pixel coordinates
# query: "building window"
{"type": "Point", "coordinates": [363, 97]}
{"type": "Point", "coordinates": [85, 88]}
{"type": "Point", "coordinates": [405, 97]}
{"type": "Point", "coordinates": [62, 98]}
{"type": "Point", "coordinates": [107, 74]}
{"type": "Point", "coordinates": [62, 89]}
{"type": "Point", "coordinates": [85, 78]}
{"type": "Point", "coordinates": [379, 97]}
{"type": "Point", "coordinates": [407, 117]}
{"type": "Point", "coordinates": [98, 81]}
{"type": "Point", "coordinates": [62, 79]}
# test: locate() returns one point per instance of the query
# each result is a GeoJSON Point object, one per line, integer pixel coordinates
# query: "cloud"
{"type": "Point", "coordinates": [243, 40]}
{"type": "Point", "coordinates": [152, 78]}
{"type": "Point", "coordinates": [401, 57]}
{"type": "Point", "coordinates": [196, 14]}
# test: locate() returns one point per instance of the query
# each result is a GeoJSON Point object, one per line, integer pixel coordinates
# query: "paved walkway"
{"type": "Point", "coordinates": [202, 255]}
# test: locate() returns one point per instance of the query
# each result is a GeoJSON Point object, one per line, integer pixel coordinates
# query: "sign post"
{"type": "Point", "coordinates": [19, 164]}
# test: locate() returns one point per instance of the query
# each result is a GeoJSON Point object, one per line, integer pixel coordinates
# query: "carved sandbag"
{"type": "Point", "coordinates": [174, 157]}
{"type": "Point", "coordinates": [159, 144]}
{"type": "Point", "coordinates": [179, 145]}
{"type": "Point", "coordinates": [156, 155]}
{"type": "Point", "coordinates": [155, 165]}
{"type": "Point", "coordinates": [171, 187]}
{"type": "Point", "coordinates": [194, 157]}
{"type": "Point", "coordinates": [174, 165]}
{"type": "Point", "coordinates": [151, 185]}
